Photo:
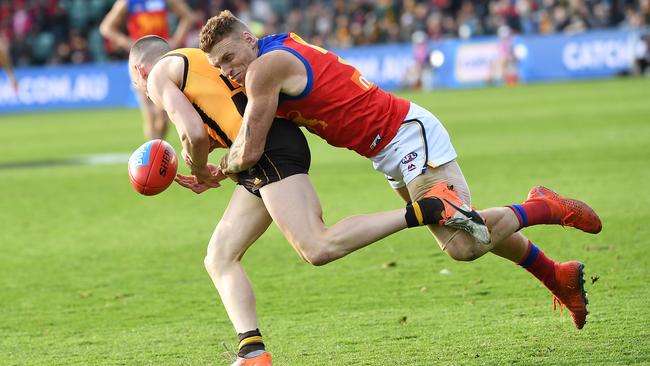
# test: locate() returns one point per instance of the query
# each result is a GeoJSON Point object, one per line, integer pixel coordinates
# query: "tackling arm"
{"type": "Point", "coordinates": [110, 25]}
{"type": "Point", "coordinates": [264, 80]}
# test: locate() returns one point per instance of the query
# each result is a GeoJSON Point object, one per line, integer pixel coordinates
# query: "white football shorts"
{"type": "Point", "coordinates": [420, 142]}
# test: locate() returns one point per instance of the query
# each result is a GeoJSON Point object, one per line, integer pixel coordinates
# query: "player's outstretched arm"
{"type": "Point", "coordinates": [186, 19]}
{"type": "Point", "coordinates": [110, 26]}
{"type": "Point", "coordinates": [264, 80]}
{"type": "Point", "coordinates": [163, 90]}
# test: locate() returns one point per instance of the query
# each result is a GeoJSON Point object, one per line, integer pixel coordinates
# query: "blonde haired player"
{"type": "Point", "coordinates": [287, 77]}
{"type": "Point", "coordinates": [207, 109]}
{"type": "Point", "coordinates": [147, 17]}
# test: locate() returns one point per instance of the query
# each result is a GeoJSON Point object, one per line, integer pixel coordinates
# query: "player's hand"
{"type": "Point", "coordinates": [210, 179]}
{"type": "Point", "coordinates": [217, 172]}
{"type": "Point", "coordinates": [210, 174]}
{"type": "Point", "coordinates": [190, 182]}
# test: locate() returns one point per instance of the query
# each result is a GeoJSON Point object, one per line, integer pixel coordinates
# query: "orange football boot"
{"type": "Point", "coordinates": [567, 211]}
{"type": "Point", "coordinates": [263, 359]}
{"type": "Point", "coordinates": [570, 291]}
{"type": "Point", "coordinates": [457, 214]}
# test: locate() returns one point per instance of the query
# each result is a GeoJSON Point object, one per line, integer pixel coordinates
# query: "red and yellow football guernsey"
{"type": "Point", "coordinates": [147, 17]}
{"type": "Point", "coordinates": [338, 103]}
{"type": "Point", "coordinates": [218, 100]}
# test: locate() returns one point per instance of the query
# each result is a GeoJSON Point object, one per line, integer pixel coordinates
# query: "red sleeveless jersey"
{"type": "Point", "coordinates": [338, 103]}
{"type": "Point", "coordinates": [147, 17]}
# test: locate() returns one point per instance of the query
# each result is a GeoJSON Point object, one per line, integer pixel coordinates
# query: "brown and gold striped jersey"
{"type": "Point", "coordinates": [219, 101]}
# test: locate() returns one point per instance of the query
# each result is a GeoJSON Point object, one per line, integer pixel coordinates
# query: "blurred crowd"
{"type": "Point", "coordinates": [66, 31]}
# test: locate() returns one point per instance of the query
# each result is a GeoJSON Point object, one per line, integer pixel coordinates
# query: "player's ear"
{"type": "Point", "coordinates": [141, 71]}
{"type": "Point", "coordinates": [249, 38]}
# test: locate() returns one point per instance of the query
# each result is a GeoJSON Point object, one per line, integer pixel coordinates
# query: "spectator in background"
{"type": "Point", "coordinates": [327, 23]}
{"type": "Point", "coordinates": [61, 54]}
{"type": "Point", "coordinates": [22, 20]}
{"type": "Point", "coordinates": [632, 18]}
{"type": "Point", "coordinates": [79, 52]}
{"type": "Point", "coordinates": [434, 26]}
{"type": "Point", "coordinates": [143, 17]}
{"type": "Point", "coordinates": [527, 16]}
{"type": "Point", "coordinates": [598, 17]}
{"type": "Point", "coordinates": [54, 19]}
{"type": "Point", "coordinates": [469, 24]}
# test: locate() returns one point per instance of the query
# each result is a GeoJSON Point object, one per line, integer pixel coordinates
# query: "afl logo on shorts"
{"type": "Point", "coordinates": [409, 158]}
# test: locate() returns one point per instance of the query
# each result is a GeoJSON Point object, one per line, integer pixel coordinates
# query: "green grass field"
{"type": "Point", "coordinates": [91, 273]}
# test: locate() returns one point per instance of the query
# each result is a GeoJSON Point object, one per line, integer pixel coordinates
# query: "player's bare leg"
{"type": "Point", "coordinates": [505, 221]}
{"type": "Point", "coordinates": [500, 222]}
{"type": "Point", "coordinates": [160, 123]}
{"type": "Point", "coordinates": [154, 119]}
{"type": "Point", "coordinates": [243, 222]}
{"type": "Point", "coordinates": [299, 217]}
{"type": "Point", "coordinates": [564, 280]}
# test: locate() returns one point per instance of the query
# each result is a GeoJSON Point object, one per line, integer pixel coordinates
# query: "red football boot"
{"type": "Point", "coordinates": [567, 211]}
{"type": "Point", "coordinates": [570, 291]}
{"type": "Point", "coordinates": [263, 359]}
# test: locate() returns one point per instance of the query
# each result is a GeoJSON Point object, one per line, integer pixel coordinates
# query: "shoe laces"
{"type": "Point", "coordinates": [556, 301]}
{"type": "Point", "coordinates": [565, 219]}
{"type": "Point", "coordinates": [228, 353]}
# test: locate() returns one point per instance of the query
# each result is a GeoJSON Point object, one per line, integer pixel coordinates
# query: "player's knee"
{"type": "Point", "coordinates": [325, 248]}
{"type": "Point", "coordinates": [315, 256]}
{"type": "Point", "coordinates": [314, 251]}
{"type": "Point", "coordinates": [319, 259]}
{"type": "Point", "coordinates": [211, 265]}
{"type": "Point", "coordinates": [217, 262]}
{"type": "Point", "coordinates": [462, 249]}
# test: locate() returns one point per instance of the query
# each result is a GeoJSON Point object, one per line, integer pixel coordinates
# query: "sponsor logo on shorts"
{"type": "Point", "coordinates": [409, 158]}
{"type": "Point", "coordinates": [411, 167]}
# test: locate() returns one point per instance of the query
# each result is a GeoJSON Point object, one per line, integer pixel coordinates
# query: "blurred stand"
{"type": "Point", "coordinates": [431, 45]}
{"type": "Point", "coordinates": [46, 31]}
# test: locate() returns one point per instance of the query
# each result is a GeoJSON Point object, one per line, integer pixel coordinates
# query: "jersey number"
{"type": "Point", "coordinates": [356, 78]}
